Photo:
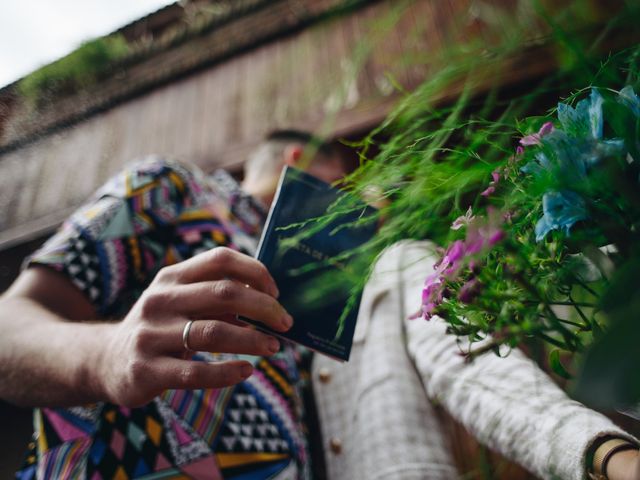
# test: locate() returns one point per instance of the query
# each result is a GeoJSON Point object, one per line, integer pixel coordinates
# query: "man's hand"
{"type": "Point", "coordinates": [54, 353]}
{"type": "Point", "coordinates": [145, 354]}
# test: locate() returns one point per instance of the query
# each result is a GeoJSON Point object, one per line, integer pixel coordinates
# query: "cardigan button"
{"type": "Point", "coordinates": [324, 374]}
{"type": "Point", "coordinates": [336, 445]}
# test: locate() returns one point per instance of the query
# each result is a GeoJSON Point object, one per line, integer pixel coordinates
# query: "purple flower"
{"type": "Point", "coordinates": [485, 234]}
{"type": "Point", "coordinates": [489, 191]}
{"type": "Point", "coordinates": [432, 290]}
{"type": "Point", "coordinates": [455, 252]}
{"type": "Point", "coordinates": [469, 291]}
{"type": "Point", "coordinates": [495, 175]}
{"type": "Point", "coordinates": [536, 138]}
{"type": "Point", "coordinates": [482, 235]}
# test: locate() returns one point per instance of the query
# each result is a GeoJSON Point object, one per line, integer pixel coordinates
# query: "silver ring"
{"type": "Point", "coordinates": [185, 335]}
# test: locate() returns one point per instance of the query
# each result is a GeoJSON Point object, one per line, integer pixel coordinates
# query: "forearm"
{"type": "Point", "coordinates": [624, 466]}
{"type": "Point", "coordinates": [46, 360]}
{"type": "Point", "coordinates": [507, 403]}
{"type": "Point", "coordinates": [511, 406]}
{"type": "Point", "coordinates": [614, 459]}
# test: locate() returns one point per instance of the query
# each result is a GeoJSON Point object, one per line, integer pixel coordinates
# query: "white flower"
{"type": "Point", "coordinates": [463, 220]}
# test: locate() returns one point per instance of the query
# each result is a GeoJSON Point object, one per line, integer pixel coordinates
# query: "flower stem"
{"type": "Point", "coordinates": [575, 304]}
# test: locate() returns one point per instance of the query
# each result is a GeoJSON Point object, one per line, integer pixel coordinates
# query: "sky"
{"type": "Point", "coordinates": [36, 32]}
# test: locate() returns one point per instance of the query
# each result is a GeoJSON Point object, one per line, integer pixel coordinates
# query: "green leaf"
{"type": "Point", "coordinates": [556, 365]}
{"type": "Point", "coordinates": [609, 375]}
{"type": "Point", "coordinates": [624, 286]}
{"type": "Point", "coordinates": [596, 329]}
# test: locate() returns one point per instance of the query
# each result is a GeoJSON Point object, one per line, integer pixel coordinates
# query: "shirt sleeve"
{"type": "Point", "coordinates": [112, 246]}
{"type": "Point", "coordinates": [508, 403]}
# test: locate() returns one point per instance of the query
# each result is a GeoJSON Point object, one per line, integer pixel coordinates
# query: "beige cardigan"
{"type": "Point", "coordinates": [376, 411]}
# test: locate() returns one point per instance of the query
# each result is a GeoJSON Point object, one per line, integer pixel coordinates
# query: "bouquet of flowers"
{"type": "Point", "coordinates": [551, 248]}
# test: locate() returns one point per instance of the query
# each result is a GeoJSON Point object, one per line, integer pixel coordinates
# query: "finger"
{"type": "Point", "coordinates": [229, 318]}
{"type": "Point", "coordinates": [221, 337]}
{"type": "Point", "coordinates": [224, 317]}
{"type": "Point", "coordinates": [220, 263]}
{"type": "Point", "coordinates": [190, 375]}
{"type": "Point", "coordinates": [223, 297]}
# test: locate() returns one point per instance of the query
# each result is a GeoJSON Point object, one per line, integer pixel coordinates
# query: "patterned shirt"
{"type": "Point", "coordinates": [155, 214]}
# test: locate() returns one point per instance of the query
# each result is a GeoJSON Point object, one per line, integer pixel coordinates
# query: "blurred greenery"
{"type": "Point", "coordinates": [609, 376]}
{"type": "Point", "coordinates": [81, 68]}
{"type": "Point", "coordinates": [428, 161]}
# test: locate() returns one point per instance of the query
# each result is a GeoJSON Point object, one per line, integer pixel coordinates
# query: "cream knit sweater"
{"type": "Point", "coordinates": [376, 414]}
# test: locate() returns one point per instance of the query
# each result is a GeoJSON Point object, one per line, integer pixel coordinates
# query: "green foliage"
{"type": "Point", "coordinates": [80, 68]}
{"type": "Point", "coordinates": [433, 157]}
{"type": "Point", "coordinates": [609, 375]}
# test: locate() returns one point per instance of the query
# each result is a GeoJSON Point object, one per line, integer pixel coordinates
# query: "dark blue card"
{"type": "Point", "coordinates": [313, 288]}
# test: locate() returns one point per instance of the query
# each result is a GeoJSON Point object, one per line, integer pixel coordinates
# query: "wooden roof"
{"type": "Point", "coordinates": [324, 66]}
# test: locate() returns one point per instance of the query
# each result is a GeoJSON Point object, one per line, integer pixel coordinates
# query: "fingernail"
{"type": "Point", "coordinates": [287, 321]}
{"type": "Point", "coordinates": [275, 291]}
{"type": "Point", "coordinates": [273, 345]}
{"type": "Point", "coordinates": [246, 370]}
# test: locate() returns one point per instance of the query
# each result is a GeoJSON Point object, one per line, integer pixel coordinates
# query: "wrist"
{"type": "Point", "coordinates": [623, 465]}
{"type": "Point", "coordinates": [612, 458]}
{"type": "Point", "coordinates": [93, 371]}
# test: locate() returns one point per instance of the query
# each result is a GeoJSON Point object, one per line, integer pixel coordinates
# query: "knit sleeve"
{"type": "Point", "coordinates": [507, 403]}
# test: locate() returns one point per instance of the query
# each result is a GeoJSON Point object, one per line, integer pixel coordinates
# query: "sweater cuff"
{"type": "Point", "coordinates": [575, 440]}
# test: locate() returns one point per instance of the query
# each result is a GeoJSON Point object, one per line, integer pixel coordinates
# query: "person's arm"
{"type": "Point", "coordinates": [54, 351]}
{"type": "Point", "coordinates": [624, 466]}
{"type": "Point", "coordinates": [509, 404]}
{"type": "Point", "coordinates": [615, 459]}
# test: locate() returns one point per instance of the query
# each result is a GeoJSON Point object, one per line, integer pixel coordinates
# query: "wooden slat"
{"type": "Point", "coordinates": [201, 104]}
{"type": "Point", "coordinates": [270, 89]}
{"type": "Point", "coordinates": [184, 137]}
{"type": "Point", "coordinates": [31, 161]}
{"type": "Point", "coordinates": [215, 116]}
{"type": "Point", "coordinates": [82, 153]}
{"type": "Point", "coordinates": [365, 30]}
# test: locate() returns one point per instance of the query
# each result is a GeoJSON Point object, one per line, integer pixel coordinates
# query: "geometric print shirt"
{"type": "Point", "coordinates": [154, 214]}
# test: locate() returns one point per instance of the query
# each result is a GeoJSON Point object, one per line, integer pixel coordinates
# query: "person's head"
{"type": "Point", "coordinates": [294, 148]}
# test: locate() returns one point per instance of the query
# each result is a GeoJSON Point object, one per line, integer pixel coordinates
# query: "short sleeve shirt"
{"type": "Point", "coordinates": [155, 214]}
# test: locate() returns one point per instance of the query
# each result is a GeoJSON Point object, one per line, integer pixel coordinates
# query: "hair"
{"type": "Point", "coordinates": [266, 159]}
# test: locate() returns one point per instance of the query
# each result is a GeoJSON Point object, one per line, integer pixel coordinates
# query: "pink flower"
{"type": "Point", "coordinates": [431, 296]}
{"type": "Point", "coordinates": [455, 252]}
{"type": "Point", "coordinates": [536, 138]}
{"type": "Point", "coordinates": [546, 128]}
{"type": "Point", "coordinates": [469, 291]}
{"type": "Point", "coordinates": [515, 158]}
{"type": "Point", "coordinates": [496, 237]}
{"type": "Point", "coordinates": [482, 235]}
{"type": "Point", "coordinates": [488, 191]}
{"type": "Point", "coordinates": [495, 175]}
{"type": "Point", "coordinates": [434, 286]}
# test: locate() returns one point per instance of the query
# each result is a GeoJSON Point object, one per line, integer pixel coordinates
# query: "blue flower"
{"type": "Point", "coordinates": [585, 120]}
{"type": "Point", "coordinates": [569, 153]}
{"type": "Point", "coordinates": [561, 155]}
{"type": "Point", "coordinates": [572, 150]}
{"type": "Point", "coordinates": [561, 210]}
{"type": "Point", "coordinates": [629, 99]}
